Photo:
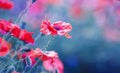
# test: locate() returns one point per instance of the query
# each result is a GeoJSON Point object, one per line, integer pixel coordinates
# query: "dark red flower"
{"type": "Point", "coordinates": [6, 5]}
{"type": "Point", "coordinates": [26, 36]}
{"type": "Point", "coordinates": [4, 47]}
{"type": "Point", "coordinates": [15, 31]}
{"type": "Point", "coordinates": [58, 28]}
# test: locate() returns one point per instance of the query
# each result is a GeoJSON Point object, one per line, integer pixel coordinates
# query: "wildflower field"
{"type": "Point", "coordinates": [59, 36]}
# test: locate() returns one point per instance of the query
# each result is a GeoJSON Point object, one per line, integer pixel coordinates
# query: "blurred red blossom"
{"type": "Point", "coordinates": [4, 4]}
{"type": "Point", "coordinates": [32, 54]}
{"type": "Point", "coordinates": [5, 25]}
{"type": "Point", "coordinates": [52, 62]}
{"type": "Point", "coordinates": [15, 31]}
{"type": "Point", "coordinates": [57, 28]}
{"type": "Point", "coordinates": [50, 59]}
{"type": "Point", "coordinates": [4, 47]}
{"type": "Point", "coordinates": [111, 34]}
{"type": "Point", "coordinates": [26, 36]}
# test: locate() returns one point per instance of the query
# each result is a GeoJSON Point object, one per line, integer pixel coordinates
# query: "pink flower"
{"type": "Point", "coordinates": [15, 31]}
{"type": "Point", "coordinates": [47, 28]}
{"type": "Point", "coordinates": [63, 28]}
{"type": "Point", "coordinates": [4, 47]}
{"type": "Point", "coordinates": [58, 28]}
{"type": "Point", "coordinates": [26, 36]}
{"type": "Point", "coordinates": [6, 5]}
{"type": "Point", "coordinates": [52, 62]}
{"type": "Point", "coordinates": [32, 54]}
{"type": "Point", "coordinates": [5, 25]}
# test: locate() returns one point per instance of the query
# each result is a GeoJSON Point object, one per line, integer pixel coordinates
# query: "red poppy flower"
{"type": "Point", "coordinates": [32, 54]}
{"type": "Point", "coordinates": [6, 5]}
{"type": "Point", "coordinates": [58, 28]}
{"type": "Point", "coordinates": [26, 36]}
{"type": "Point", "coordinates": [4, 47]}
{"type": "Point", "coordinates": [15, 31]}
{"type": "Point", "coordinates": [51, 61]}
{"type": "Point", "coordinates": [46, 28]}
{"type": "Point", "coordinates": [63, 28]}
{"type": "Point", "coordinates": [5, 25]}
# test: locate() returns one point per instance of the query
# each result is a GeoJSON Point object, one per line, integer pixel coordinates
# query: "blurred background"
{"type": "Point", "coordinates": [95, 43]}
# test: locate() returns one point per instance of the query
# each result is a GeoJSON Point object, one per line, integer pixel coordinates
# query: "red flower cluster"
{"type": "Point", "coordinates": [51, 61]}
{"type": "Point", "coordinates": [58, 28]}
{"type": "Point", "coordinates": [6, 4]}
{"type": "Point", "coordinates": [4, 47]}
{"type": "Point", "coordinates": [15, 31]}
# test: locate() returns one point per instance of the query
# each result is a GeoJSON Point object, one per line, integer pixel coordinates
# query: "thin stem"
{"type": "Point", "coordinates": [26, 57]}
{"type": "Point", "coordinates": [24, 69]}
{"type": "Point", "coordinates": [34, 66]}
{"type": "Point", "coordinates": [25, 47]}
{"type": "Point", "coordinates": [22, 13]}
{"type": "Point", "coordinates": [10, 58]}
{"type": "Point", "coordinates": [51, 38]}
{"type": "Point", "coordinates": [36, 63]}
{"type": "Point", "coordinates": [48, 44]}
{"type": "Point", "coordinates": [36, 38]}
{"type": "Point", "coordinates": [3, 38]}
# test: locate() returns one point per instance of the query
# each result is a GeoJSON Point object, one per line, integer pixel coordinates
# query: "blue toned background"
{"type": "Point", "coordinates": [95, 43]}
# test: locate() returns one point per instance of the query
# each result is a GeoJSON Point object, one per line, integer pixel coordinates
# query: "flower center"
{"type": "Point", "coordinates": [57, 28]}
